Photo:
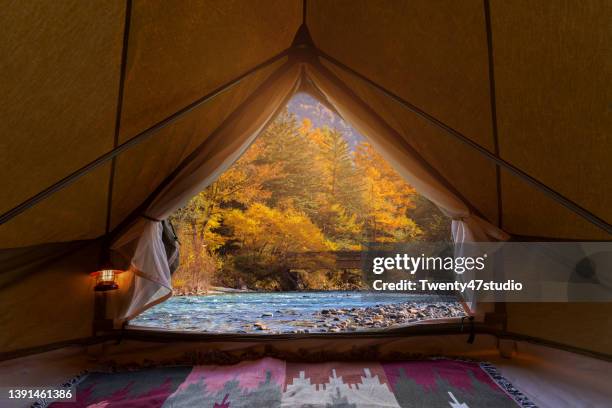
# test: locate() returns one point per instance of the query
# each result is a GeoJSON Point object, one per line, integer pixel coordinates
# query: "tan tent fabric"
{"type": "Point", "coordinates": [553, 70]}
{"type": "Point", "coordinates": [74, 213]}
{"type": "Point", "coordinates": [432, 53]}
{"type": "Point", "coordinates": [536, 214]}
{"type": "Point", "coordinates": [151, 282]}
{"type": "Point", "coordinates": [180, 51]}
{"type": "Point", "coordinates": [59, 85]}
{"type": "Point", "coordinates": [62, 76]}
{"type": "Point", "coordinates": [583, 325]}
{"type": "Point", "coordinates": [51, 303]}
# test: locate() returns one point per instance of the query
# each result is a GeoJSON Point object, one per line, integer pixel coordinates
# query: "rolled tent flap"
{"type": "Point", "coordinates": [151, 278]}
{"type": "Point", "coordinates": [151, 281]}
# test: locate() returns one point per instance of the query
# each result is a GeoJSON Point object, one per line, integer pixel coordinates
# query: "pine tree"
{"type": "Point", "coordinates": [284, 146]}
{"type": "Point", "coordinates": [339, 200]}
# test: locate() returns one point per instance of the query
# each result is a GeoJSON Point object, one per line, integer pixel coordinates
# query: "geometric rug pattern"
{"type": "Point", "coordinates": [271, 383]}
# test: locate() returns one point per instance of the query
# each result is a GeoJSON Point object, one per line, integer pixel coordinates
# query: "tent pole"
{"type": "Point", "coordinates": [142, 136]}
{"type": "Point", "coordinates": [487, 14]}
{"type": "Point", "coordinates": [500, 312]}
{"type": "Point", "coordinates": [124, 56]}
{"type": "Point", "coordinates": [556, 196]}
{"type": "Point", "coordinates": [304, 11]}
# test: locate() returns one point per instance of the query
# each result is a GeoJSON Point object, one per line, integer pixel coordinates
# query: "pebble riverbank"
{"type": "Point", "coordinates": [353, 319]}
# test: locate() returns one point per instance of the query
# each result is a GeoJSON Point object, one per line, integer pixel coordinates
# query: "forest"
{"type": "Point", "coordinates": [297, 188]}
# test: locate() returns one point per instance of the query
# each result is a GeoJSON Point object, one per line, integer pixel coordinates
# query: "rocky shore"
{"type": "Point", "coordinates": [352, 319]}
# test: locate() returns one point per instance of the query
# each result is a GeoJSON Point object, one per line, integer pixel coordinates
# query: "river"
{"type": "Point", "coordinates": [281, 312]}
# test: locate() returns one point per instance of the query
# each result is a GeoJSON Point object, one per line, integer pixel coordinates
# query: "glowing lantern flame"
{"type": "Point", "coordinates": [105, 280]}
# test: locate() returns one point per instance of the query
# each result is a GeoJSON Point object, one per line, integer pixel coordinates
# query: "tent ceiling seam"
{"type": "Point", "coordinates": [555, 195]}
{"type": "Point", "coordinates": [120, 94]}
{"type": "Point", "coordinates": [145, 134]}
{"type": "Point", "coordinates": [492, 89]}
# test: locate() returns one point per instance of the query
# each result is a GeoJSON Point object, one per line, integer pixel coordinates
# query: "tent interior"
{"type": "Point", "coordinates": [116, 113]}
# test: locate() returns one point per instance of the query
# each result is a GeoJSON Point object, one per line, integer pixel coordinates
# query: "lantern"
{"type": "Point", "coordinates": [105, 279]}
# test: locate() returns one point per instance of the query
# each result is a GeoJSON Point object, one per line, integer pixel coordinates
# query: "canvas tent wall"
{"type": "Point", "coordinates": [524, 83]}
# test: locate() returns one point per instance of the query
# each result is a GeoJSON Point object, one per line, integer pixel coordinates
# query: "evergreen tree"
{"type": "Point", "coordinates": [284, 146]}
{"type": "Point", "coordinates": [339, 198]}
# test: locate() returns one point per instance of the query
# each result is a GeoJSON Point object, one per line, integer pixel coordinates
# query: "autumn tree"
{"type": "Point", "coordinates": [265, 236]}
{"type": "Point", "coordinates": [242, 184]}
{"type": "Point", "coordinates": [387, 199]}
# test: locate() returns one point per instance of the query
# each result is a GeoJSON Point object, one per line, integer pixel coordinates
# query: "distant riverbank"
{"type": "Point", "coordinates": [213, 290]}
{"type": "Point", "coordinates": [295, 312]}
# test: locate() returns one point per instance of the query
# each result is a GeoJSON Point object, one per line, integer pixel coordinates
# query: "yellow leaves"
{"type": "Point", "coordinates": [198, 261]}
{"type": "Point", "coordinates": [306, 126]}
{"type": "Point", "coordinates": [274, 230]}
{"type": "Point", "coordinates": [387, 196]}
{"type": "Point", "coordinates": [317, 137]}
{"type": "Point", "coordinates": [178, 283]}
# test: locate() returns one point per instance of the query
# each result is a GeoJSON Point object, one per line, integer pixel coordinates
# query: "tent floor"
{"type": "Point", "coordinates": [547, 376]}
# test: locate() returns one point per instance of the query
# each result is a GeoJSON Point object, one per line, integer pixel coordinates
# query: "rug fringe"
{"type": "Point", "coordinates": [521, 399]}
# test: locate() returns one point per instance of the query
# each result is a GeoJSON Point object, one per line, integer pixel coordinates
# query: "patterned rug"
{"type": "Point", "coordinates": [270, 383]}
